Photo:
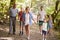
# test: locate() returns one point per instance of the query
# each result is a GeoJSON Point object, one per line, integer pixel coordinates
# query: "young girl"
{"type": "Point", "coordinates": [50, 23]}
{"type": "Point", "coordinates": [27, 19]}
{"type": "Point", "coordinates": [44, 29]}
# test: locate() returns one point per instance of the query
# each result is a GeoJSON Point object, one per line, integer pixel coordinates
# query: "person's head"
{"type": "Point", "coordinates": [14, 6]}
{"type": "Point", "coordinates": [45, 20]}
{"type": "Point", "coordinates": [27, 9]}
{"type": "Point", "coordinates": [41, 8]}
{"type": "Point", "coordinates": [21, 9]}
{"type": "Point", "coordinates": [49, 16]}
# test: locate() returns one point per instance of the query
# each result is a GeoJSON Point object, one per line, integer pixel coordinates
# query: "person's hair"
{"type": "Point", "coordinates": [14, 4]}
{"type": "Point", "coordinates": [49, 16]}
{"type": "Point", "coordinates": [41, 6]}
{"type": "Point", "coordinates": [21, 8]}
{"type": "Point", "coordinates": [26, 8]}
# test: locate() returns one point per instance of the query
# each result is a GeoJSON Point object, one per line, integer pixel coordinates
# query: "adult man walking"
{"type": "Point", "coordinates": [12, 12]}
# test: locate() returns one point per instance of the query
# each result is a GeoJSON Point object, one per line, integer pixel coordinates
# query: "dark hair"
{"type": "Point", "coordinates": [41, 7]}
{"type": "Point", "coordinates": [48, 16]}
{"type": "Point", "coordinates": [26, 8]}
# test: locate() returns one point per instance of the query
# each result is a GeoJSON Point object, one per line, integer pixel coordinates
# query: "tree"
{"type": "Point", "coordinates": [56, 11]}
{"type": "Point", "coordinates": [12, 2]}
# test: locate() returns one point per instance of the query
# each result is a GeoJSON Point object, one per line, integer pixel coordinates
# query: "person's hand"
{"type": "Point", "coordinates": [35, 22]}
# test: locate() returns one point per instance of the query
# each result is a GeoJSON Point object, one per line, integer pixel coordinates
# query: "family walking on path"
{"type": "Point", "coordinates": [25, 19]}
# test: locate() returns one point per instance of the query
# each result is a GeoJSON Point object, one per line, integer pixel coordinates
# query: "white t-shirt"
{"type": "Point", "coordinates": [42, 15]}
{"type": "Point", "coordinates": [26, 19]}
{"type": "Point", "coordinates": [44, 27]}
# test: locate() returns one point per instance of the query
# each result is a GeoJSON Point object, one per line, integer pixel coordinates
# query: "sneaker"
{"type": "Point", "coordinates": [41, 33]}
{"type": "Point", "coordinates": [21, 33]}
{"type": "Point", "coordinates": [13, 33]}
{"type": "Point", "coordinates": [28, 38]}
{"type": "Point", "coordinates": [45, 39]}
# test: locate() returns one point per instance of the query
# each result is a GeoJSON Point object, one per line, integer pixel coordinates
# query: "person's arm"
{"type": "Point", "coordinates": [19, 16]}
{"type": "Point", "coordinates": [45, 14]}
{"type": "Point", "coordinates": [9, 12]}
{"type": "Point", "coordinates": [32, 18]}
{"type": "Point", "coordinates": [38, 16]}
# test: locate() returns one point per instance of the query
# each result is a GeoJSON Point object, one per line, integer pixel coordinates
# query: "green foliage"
{"type": "Point", "coordinates": [21, 1]}
{"type": "Point", "coordinates": [4, 5]}
{"type": "Point", "coordinates": [50, 9]}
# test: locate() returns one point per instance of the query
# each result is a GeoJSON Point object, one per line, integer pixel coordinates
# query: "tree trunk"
{"type": "Point", "coordinates": [56, 11]}
{"type": "Point", "coordinates": [12, 2]}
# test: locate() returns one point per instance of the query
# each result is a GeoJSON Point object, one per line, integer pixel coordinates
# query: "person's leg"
{"type": "Point", "coordinates": [10, 26]}
{"type": "Point", "coordinates": [27, 28]}
{"type": "Point", "coordinates": [40, 26]}
{"type": "Point", "coordinates": [44, 33]}
{"type": "Point", "coordinates": [45, 36]}
{"type": "Point", "coordinates": [21, 28]}
{"type": "Point", "coordinates": [14, 25]}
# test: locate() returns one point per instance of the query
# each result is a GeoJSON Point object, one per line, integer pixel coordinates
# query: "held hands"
{"type": "Point", "coordinates": [35, 22]}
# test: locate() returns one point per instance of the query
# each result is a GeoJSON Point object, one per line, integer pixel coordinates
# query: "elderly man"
{"type": "Point", "coordinates": [12, 12]}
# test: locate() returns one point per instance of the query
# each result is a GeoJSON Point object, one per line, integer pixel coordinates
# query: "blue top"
{"type": "Point", "coordinates": [30, 16]}
{"type": "Point", "coordinates": [13, 12]}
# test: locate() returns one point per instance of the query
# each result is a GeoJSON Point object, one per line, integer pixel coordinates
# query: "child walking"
{"type": "Point", "coordinates": [44, 29]}
{"type": "Point", "coordinates": [50, 24]}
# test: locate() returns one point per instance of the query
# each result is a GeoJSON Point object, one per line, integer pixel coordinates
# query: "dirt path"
{"type": "Point", "coordinates": [35, 35]}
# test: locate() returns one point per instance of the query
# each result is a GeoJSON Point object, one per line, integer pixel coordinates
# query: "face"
{"type": "Point", "coordinates": [41, 8]}
{"type": "Point", "coordinates": [27, 9]}
{"type": "Point", "coordinates": [14, 6]}
{"type": "Point", "coordinates": [45, 20]}
{"type": "Point", "coordinates": [21, 9]}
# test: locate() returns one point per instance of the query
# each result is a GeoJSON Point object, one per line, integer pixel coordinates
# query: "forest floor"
{"type": "Point", "coordinates": [34, 30]}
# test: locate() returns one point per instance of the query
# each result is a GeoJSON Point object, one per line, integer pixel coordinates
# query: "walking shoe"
{"type": "Point", "coordinates": [13, 33]}
{"type": "Point", "coordinates": [41, 33]}
{"type": "Point", "coordinates": [28, 38]}
{"type": "Point", "coordinates": [45, 39]}
{"type": "Point", "coordinates": [21, 33]}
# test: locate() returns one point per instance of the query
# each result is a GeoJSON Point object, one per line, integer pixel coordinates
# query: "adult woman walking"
{"type": "Point", "coordinates": [28, 22]}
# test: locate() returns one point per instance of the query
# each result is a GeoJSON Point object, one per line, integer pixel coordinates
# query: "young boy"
{"type": "Point", "coordinates": [20, 16]}
{"type": "Point", "coordinates": [44, 29]}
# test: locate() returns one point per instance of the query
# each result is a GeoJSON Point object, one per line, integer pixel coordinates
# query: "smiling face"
{"type": "Point", "coordinates": [27, 9]}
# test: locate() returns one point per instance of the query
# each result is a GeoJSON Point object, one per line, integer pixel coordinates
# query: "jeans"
{"type": "Point", "coordinates": [12, 24]}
